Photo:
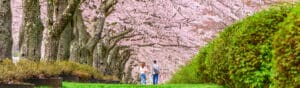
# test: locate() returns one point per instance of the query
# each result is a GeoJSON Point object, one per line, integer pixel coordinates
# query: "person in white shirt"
{"type": "Point", "coordinates": [155, 72]}
{"type": "Point", "coordinates": [143, 71]}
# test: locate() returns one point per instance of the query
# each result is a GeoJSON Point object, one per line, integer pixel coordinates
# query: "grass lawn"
{"type": "Point", "coordinates": [96, 85]}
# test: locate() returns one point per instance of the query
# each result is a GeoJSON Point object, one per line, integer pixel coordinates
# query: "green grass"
{"type": "Point", "coordinates": [42, 87]}
{"type": "Point", "coordinates": [97, 85]}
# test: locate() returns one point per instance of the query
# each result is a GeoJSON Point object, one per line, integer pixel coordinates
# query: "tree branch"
{"type": "Point", "coordinates": [50, 13]}
{"type": "Point", "coordinates": [119, 37]}
{"type": "Point", "coordinates": [100, 27]}
{"type": "Point", "coordinates": [55, 9]}
{"type": "Point", "coordinates": [127, 31]}
{"type": "Point", "coordinates": [94, 40]}
{"type": "Point", "coordinates": [62, 22]}
{"type": "Point", "coordinates": [83, 35]}
{"type": "Point", "coordinates": [106, 5]}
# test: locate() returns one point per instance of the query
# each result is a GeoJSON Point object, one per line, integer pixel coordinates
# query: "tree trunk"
{"type": "Point", "coordinates": [124, 57]}
{"type": "Point", "coordinates": [98, 56]}
{"type": "Point", "coordinates": [64, 43]}
{"type": "Point", "coordinates": [66, 36]}
{"type": "Point", "coordinates": [5, 29]}
{"type": "Point", "coordinates": [78, 52]}
{"type": "Point", "coordinates": [56, 28]}
{"type": "Point", "coordinates": [31, 32]}
{"type": "Point", "coordinates": [51, 46]}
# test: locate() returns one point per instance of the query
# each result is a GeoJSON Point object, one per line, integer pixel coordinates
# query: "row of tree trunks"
{"type": "Point", "coordinates": [31, 31]}
{"type": "Point", "coordinates": [101, 50]}
{"type": "Point", "coordinates": [5, 29]}
{"type": "Point", "coordinates": [68, 39]}
{"type": "Point", "coordinates": [83, 46]}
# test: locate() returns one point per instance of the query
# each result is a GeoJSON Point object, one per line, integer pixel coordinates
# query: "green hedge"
{"type": "Point", "coordinates": [187, 74]}
{"type": "Point", "coordinates": [25, 69]}
{"type": "Point", "coordinates": [241, 56]}
{"type": "Point", "coordinates": [287, 52]}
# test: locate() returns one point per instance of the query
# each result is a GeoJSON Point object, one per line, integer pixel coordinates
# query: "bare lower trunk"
{"type": "Point", "coordinates": [51, 46]}
{"type": "Point", "coordinates": [113, 61]}
{"type": "Point", "coordinates": [79, 53]}
{"type": "Point", "coordinates": [5, 29]}
{"type": "Point", "coordinates": [98, 56]}
{"type": "Point", "coordinates": [74, 52]}
{"type": "Point", "coordinates": [64, 43]}
{"type": "Point", "coordinates": [31, 32]}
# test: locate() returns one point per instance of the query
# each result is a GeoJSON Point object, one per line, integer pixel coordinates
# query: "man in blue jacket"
{"type": "Point", "coordinates": [155, 72]}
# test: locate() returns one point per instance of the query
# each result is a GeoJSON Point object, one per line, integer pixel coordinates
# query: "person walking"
{"type": "Point", "coordinates": [155, 72]}
{"type": "Point", "coordinates": [143, 71]}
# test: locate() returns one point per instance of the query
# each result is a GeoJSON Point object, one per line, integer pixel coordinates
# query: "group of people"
{"type": "Point", "coordinates": [155, 73]}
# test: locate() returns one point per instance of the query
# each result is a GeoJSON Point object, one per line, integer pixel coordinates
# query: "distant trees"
{"type": "Point", "coordinates": [5, 29]}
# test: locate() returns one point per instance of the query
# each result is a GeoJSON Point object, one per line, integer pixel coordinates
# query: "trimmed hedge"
{"type": "Point", "coordinates": [241, 56]}
{"type": "Point", "coordinates": [25, 69]}
{"type": "Point", "coordinates": [287, 52]}
{"type": "Point", "coordinates": [187, 74]}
